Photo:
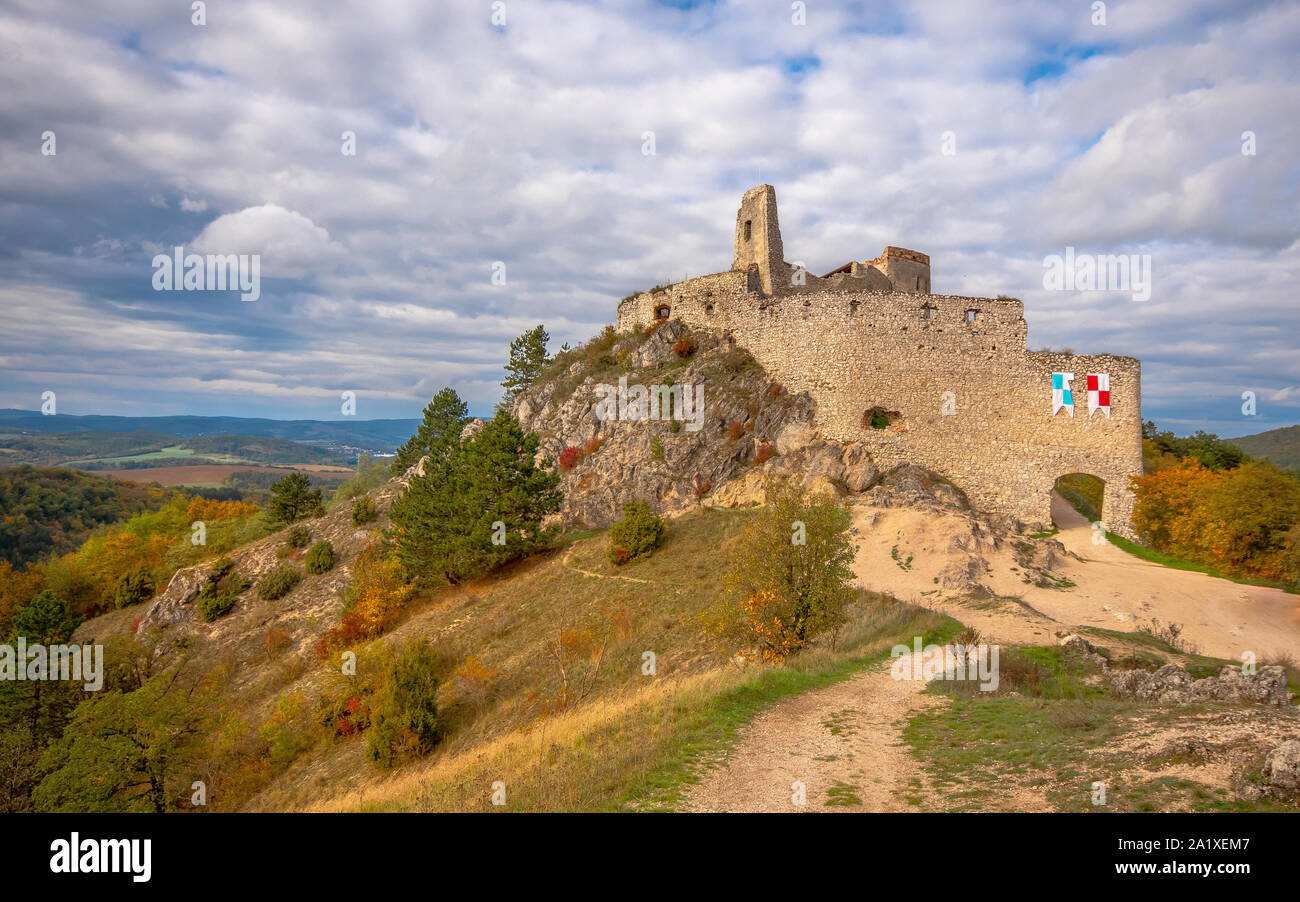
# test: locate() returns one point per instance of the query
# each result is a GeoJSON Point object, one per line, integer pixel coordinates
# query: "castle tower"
{"type": "Point", "coordinates": [758, 237]}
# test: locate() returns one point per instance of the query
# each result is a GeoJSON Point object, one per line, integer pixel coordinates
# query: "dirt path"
{"type": "Point", "coordinates": [841, 742]}
{"type": "Point", "coordinates": [903, 552]}
{"type": "Point", "coordinates": [565, 562]}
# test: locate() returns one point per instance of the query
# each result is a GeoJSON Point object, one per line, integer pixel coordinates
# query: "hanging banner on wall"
{"type": "Point", "coordinates": [1061, 394]}
{"type": "Point", "coordinates": [1099, 393]}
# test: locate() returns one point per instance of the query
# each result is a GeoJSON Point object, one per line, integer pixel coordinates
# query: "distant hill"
{"type": "Point", "coordinates": [1282, 446]}
{"type": "Point", "coordinates": [371, 435]}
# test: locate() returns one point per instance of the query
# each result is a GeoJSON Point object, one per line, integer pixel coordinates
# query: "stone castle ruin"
{"type": "Point", "coordinates": [941, 381]}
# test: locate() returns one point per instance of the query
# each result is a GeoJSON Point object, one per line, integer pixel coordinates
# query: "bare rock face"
{"type": "Point", "coordinates": [472, 428]}
{"type": "Point", "coordinates": [911, 486]}
{"type": "Point", "coordinates": [1282, 766]}
{"type": "Point", "coordinates": [743, 418]}
{"type": "Point", "coordinates": [176, 602]}
{"type": "Point", "coordinates": [1171, 684]}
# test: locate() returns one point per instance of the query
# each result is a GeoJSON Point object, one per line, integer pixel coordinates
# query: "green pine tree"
{"type": "Point", "coordinates": [292, 498]}
{"type": "Point", "coordinates": [444, 418]}
{"type": "Point", "coordinates": [527, 360]}
{"type": "Point", "coordinates": [446, 525]}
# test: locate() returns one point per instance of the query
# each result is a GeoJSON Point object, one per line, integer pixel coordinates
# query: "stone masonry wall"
{"type": "Point", "coordinates": [860, 351]}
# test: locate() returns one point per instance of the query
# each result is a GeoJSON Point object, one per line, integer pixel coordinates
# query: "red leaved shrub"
{"type": "Point", "coordinates": [569, 458]}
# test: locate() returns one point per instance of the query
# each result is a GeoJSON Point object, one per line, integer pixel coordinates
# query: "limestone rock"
{"type": "Point", "coordinates": [1282, 766]}
{"type": "Point", "coordinates": [1172, 684]}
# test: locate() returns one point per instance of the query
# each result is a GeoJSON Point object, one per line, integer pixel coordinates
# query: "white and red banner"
{"type": "Point", "coordinates": [1099, 393]}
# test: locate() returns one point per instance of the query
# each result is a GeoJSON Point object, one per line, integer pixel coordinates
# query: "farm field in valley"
{"type": "Point", "coordinates": [209, 474]}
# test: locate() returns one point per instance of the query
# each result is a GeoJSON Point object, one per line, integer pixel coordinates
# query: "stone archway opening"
{"type": "Point", "coordinates": [880, 418]}
{"type": "Point", "coordinates": [1083, 492]}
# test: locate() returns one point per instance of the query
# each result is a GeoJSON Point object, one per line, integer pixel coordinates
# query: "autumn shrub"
{"type": "Point", "coordinates": [364, 511]}
{"type": "Point", "coordinates": [738, 360]}
{"type": "Point", "coordinates": [404, 713]}
{"type": "Point", "coordinates": [637, 535]}
{"type": "Point", "coordinates": [569, 458]}
{"type": "Point", "coordinates": [279, 582]}
{"type": "Point", "coordinates": [320, 558]}
{"type": "Point", "coordinates": [472, 682]}
{"type": "Point", "coordinates": [207, 510]}
{"type": "Point", "coordinates": [764, 453]}
{"type": "Point", "coordinates": [375, 598]}
{"type": "Point", "coordinates": [702, 486]}
{"type": "Point", "coordinates": [346, 714]}
{"type": "Point", "coordinates": [788, 579]}
{"type": "Point", "coordinates": [276, 641]}
{"type": "Point", "coordinates": [285, 731]}
{"type": "Point", "coordinates": [735, 430]}
{"type": "Point", "coordinates": [591, 446]}
{"type": "Point", "coordinates": [684, 347]}
{"type": "Point", "coordinates": [774, 390]}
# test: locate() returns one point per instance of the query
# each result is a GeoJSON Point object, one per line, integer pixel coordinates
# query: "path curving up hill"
{"type": "Point", "coordinates": [842, 742]}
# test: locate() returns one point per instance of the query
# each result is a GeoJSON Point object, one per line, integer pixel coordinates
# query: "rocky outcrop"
{"type": "Point", "coordinates": [1171, 684]}
{"type": "Point", "coordinates": [750, 429]}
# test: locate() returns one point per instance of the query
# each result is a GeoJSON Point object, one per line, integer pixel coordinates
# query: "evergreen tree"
{"type": "Point", "coordinates": [446, 523]}
{"type": "Point", "coordinates": [292, 498]}
{"type": "Point", "coordinates": [444, 418]}
{"type": "Point", "coordinates": [45, 620]}
{"type": "Point", "coordinates": [527, 360]}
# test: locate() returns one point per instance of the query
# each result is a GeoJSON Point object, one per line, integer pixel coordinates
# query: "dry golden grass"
{"type": "Point", "coordinates": [634, 748]}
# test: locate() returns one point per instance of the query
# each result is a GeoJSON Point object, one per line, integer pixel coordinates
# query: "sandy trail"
{"type": "Point", "coordinates": [842, 742]}
{"type": "Point", "coordinates": [1112, 590]}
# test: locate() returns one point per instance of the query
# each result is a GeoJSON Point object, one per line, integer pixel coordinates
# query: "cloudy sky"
{"type": "Point", "coordinates": [525, 143]}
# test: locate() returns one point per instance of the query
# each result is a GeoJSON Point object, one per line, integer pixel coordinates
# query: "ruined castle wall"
{"type": "Point", "coordinates": [855, 352]}
{"type": "Point", "coordinates": [758, 237]}
{"type": "Point", "coordinates": [908, 274]}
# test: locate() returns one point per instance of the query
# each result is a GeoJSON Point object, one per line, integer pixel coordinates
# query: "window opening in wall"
{"type": "Point", "coordinates": [748, 222]}
{"type": "Point", "coordinates": [972, 315]}
{"type": "Point", "coordinates": [661, 313]}
{"type": "Point", "coordinates": [928, 312]}
{"type": "Point", "coordinates": [708, 309]}
{"type": "Point", "coordinates": [879, 418]}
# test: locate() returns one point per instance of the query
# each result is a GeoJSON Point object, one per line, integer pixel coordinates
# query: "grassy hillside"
{"type": "Point", "coordinates": [543, 682]}
{"type": "Point", "coordinates": [548, 691]}
{"type": "Point", "coordinates": [1282, 446]}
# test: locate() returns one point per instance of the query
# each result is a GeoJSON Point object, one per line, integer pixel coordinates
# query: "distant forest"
{"type": "Point", "coordinates": [53, 510]}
